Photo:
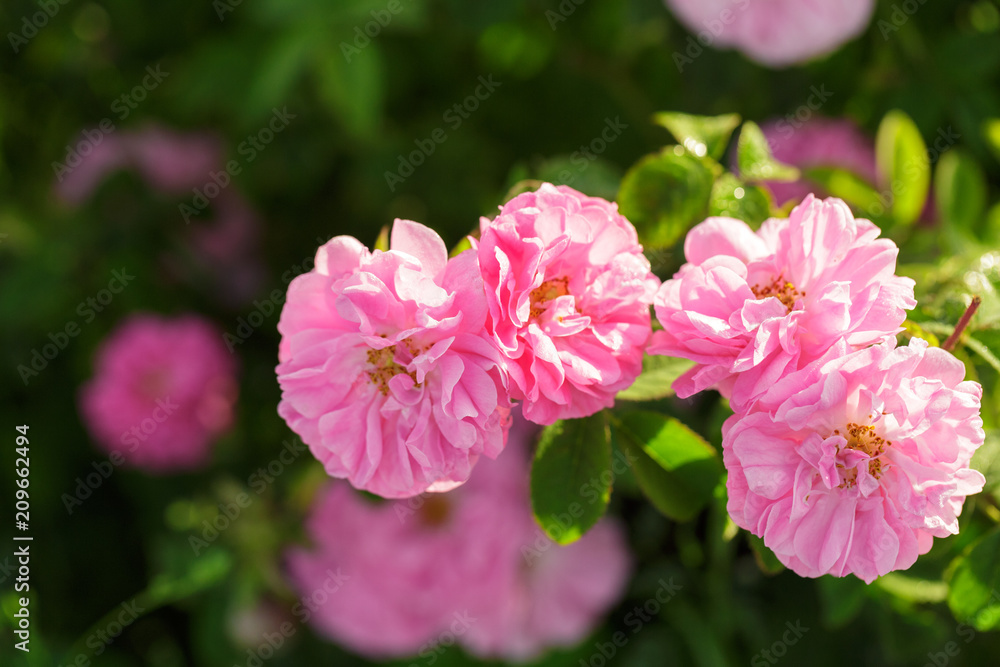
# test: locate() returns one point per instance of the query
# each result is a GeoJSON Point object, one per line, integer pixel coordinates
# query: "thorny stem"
{"type": "Point", "coordinates": [949, 344]}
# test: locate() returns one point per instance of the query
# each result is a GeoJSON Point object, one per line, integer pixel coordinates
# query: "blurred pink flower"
{"type": "Point", "coordinates": [467, 566]}
{"type": "Point", "coordinates": [227, 247]}
{"type": "Point", "coordinates": [170, 162]}
{"type": "Point", "coordinates": [775, 33]}
{"type": "Point", "coordinates": [854, 464]}
{"type": "Point", "coordinates": [173, 162]}
{"type": "Point", "coordinates": [163, 390]}
{"type": "Point", "coordinates": [819, 142]}
{"type": "Point", "coordinates": [568, 290]}
{"type": "Point", "coordinates": [386, 371]}
{"type": "Point", "coordinates": [749, 307]}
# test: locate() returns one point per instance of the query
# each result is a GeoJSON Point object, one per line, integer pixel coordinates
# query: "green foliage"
{"type": "Point", "coordinates": [847, 186]}
{"type": "Point", "coordinates": [364, 94]}
{"type": "Point", "coordinates": [960, 190]}
{"type": "Point", "coordinates": [658, 372]}
{"type": "Point", "coordinates": [733, 198]}
{"type": "Point", "coordinates": [676, 469]}
{"type": "Point", "coordinates": [974, 584]}
{"type": "Point", "coordinates": [755, 160]}
{"type": "Point", "coordinates": [665, 194]}
{"type": "Point", "coordinates": [765, 558]}
{"type": "Point", "coordinates": [902, 158]}
{"type": "Point", "coordinates": [571, 477]}
{"type": "Point", "coordinates": [700, 135]}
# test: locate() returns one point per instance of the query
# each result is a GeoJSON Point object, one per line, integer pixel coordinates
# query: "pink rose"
{"type": "Point", "coordinates": [776, 33]}
{"type": "Point", "coordinates": [469, 566]}
{"type": "Point", "coordinates": [854, 464]}
{"type": "Point", "coordinates": [568, 291]}
{"type": "Point", "coordinates": [749, 307]}
{"type": "Point", "coordinates": [163, 390]}
{"type": "Point", "coordinates": [386, 370]}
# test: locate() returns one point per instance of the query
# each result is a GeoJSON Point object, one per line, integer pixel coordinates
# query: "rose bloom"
{"type": "Point", "coordinates": [568, 291]}
{"type": "Point", "coordinates": [819, 142]}
{"type": "Point", "coordinates": [163, 390]}
{"type": "Point", "coordinates": [854, 464]}
{"type": "Point", "coordinates": [386, 371]}
{"type": "Point", "coordinates": [775, 33]}
{"type": "Point", "coordinates": [749, 307]}
{"type": "Point", "coordinates": [469, 565]}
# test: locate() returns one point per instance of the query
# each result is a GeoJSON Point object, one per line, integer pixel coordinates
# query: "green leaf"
{"type": "Point", "coordinates": [207, 570]}
{"type": "Point", "coordinates": [960, 190]}
{"type": "Point", "coordinates": [991, 234]}
{"type": "Point", "coordinates": [987, 460]}
{"type": "Point", "coordinates": [274, 80]}
{"type": "Point", "coordinates": [382, 242]}
{"type": "Point", "coordinates": [658, 372]}
{"type": "Point", "coordinates": [991, 131]}
{"type": "Point", "coordinates": [841, 599]}
{"type": "Point", "coordinates": [665, 194]}
{"type": "Point", "coordinates": [988, 355]}
{"type": "Point", "coordinates": [701, 135]}
{"type": "Point", "coordinates": [912, 589]}
{"type": "Point", "coordinates": [676, 469]}
{"type": "Point", "coordinates": [460, 247]}
{"type": "Point", "coordinates": [974, 583]}
{"type": "Point", "coordinates": [510, 48]}
{"type": "Point", "coordinates": [902, 159]}
{"type": "Point", "coordinates": [914, 330]}
{"type": "Point", "coordinates": [571, 477]}
{"type": "Point", "coordinates": [755, 159]}
{"type": "Point", "coordinates": [766, 560]}
{"type": "Point", "coordinates": [733, 198]}
{"type": "Point", "coordinates": [848, 186]}
{"type": "Point", "coordinates": [352, 91]}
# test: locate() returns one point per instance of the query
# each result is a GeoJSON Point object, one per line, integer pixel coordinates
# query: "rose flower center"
{"type": "Point", "coordinates": [547, 291]}
{"type": "Point", "coordinates": [781, 289]}
{"type": "Point", "coordinates": [863, 439]}
{"type": "Point", "coordinates": [384, 367]}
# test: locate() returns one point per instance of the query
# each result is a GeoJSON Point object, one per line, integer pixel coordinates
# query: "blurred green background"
{"type": "Point", "coordinates": [357, 110]}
